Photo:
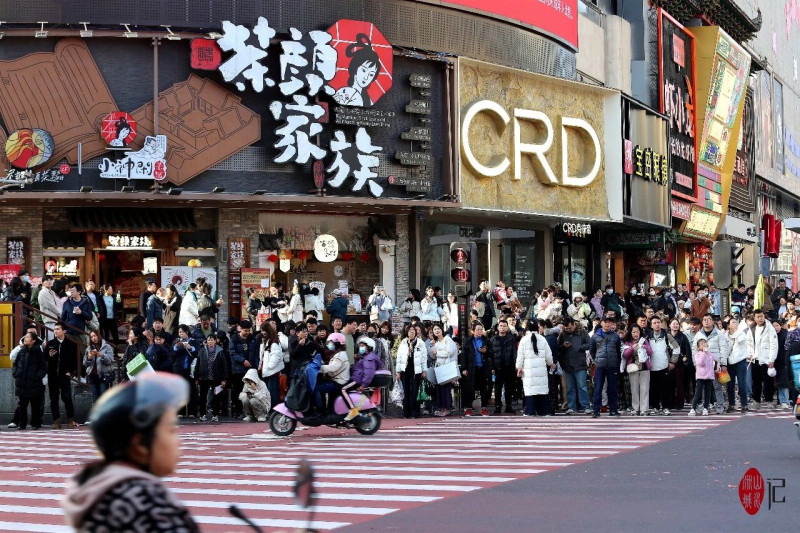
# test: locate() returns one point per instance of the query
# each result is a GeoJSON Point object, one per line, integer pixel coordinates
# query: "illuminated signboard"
{"type": "Point", "coordinates": [702, 223]}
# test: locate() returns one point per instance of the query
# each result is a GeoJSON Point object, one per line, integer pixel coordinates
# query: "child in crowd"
{"type": "Point", "coordinates": [704, 364]}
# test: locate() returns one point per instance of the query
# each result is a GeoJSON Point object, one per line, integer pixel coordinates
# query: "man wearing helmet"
{"type": "Point", "coordinates": [129, 424]}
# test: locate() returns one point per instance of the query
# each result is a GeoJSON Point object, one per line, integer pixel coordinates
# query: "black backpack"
{"type": "Point", "coordinates": [298, 397]}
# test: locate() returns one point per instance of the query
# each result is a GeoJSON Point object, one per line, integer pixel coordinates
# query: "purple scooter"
{"type": "Point", "coordinates": [283, 421]}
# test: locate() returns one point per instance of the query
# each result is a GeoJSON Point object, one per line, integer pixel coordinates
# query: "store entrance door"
{"type": "Point", "coordinates": [126, 271]}
{"type": "Point", "coordinates": [571, 259]}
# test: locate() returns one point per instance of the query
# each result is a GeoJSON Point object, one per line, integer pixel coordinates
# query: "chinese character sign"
{"type": "Point", "coordinates": [677, 97]}
{"type": "Point", "coordinates": [751, 491]}
{"type": "Point", "coordinates": [238, 253]}
{"type": "Point", "coordinates": [149, 163]}
{"type": "Point", "coordinates": [17, 251]}
{"type": "Point", "coordinates": [326, 248]}
{"type": "Point", "coordinates": [205, 54]}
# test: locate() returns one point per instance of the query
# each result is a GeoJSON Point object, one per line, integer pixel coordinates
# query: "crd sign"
{"type": "Point", "coordinates": [500, 163]}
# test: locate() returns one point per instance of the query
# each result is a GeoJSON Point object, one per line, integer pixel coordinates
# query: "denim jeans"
{"type": "Point", "coordinates": [783, 395]}
{"type": "Point", "coordinates": [601, 376]}
{"type": "Point", "coordinates": [97, 386]}
{"type": "Point", "coordinates": [738, 373]}
{"type": "Point", "coordinates": [577, 380]}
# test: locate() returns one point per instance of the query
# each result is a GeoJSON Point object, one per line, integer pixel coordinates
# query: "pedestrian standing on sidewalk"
{"type": "Point", "coordinates": [740, 345]}
{"type": "Point", "coordinates": [661, 396]}
{"type": "Point", "coordinates": [705, 364]}
{"type": "Point", "coordinates": [533, 358]}
{"type": "Point", "coordinates": [782, 366]}
{"type": "Point", "coordinates": [211, 372]}
{"type": "Point", "coordinates": [684, 369]}
{"type": "Point", "coordinates": [62, 355]}
{"type": "Point", "coordinates": [412, 359]}
{"type": "Point", "coordinates": [476, 367]}
{"type": "Point", "coordinates": [636, 352]}
{"type": "Point", "coordinates": [605, 348]}
{"type": "Point", "coordinates": [504, 350]}
{"type": "Point", "coordinates": [717, 347]}
{"type": "Point", "coordinates": [573, 343]}
{"type": "Point", "coordinates": [30, 367]}
{"type": "Point", "coordinates": [765, 349]}
{"type": "Point", "coordinates": [445, 351]}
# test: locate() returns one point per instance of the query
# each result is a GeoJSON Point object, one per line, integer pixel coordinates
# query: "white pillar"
{"type": "Point", "coordinates": [386, 250]}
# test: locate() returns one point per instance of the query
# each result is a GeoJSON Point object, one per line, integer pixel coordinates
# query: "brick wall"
{"type": "Point", "coordinates": [24, 222]}
{"type": "Point", "coordinates": [234, 223]}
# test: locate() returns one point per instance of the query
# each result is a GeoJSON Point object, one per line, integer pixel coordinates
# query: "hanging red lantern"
{"type": "Point", "coordinates": [272, 258]}
{"type": "Point", "coordinates": [287, 254]}
{"type": "Point", "coordinates": [302, 254]}
{"type": "Point", "coordinates": [364, 256]}
{"type": "Point", "coordinates": [347, 256]}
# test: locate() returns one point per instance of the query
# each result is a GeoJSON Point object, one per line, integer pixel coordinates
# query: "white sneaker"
{"type": "Point", "coordinates": [12, 425]}
{"type": "Point", "coordinates": [665, 412]}
{"type": "Point", "coordinates": [262, 418]}
{"type": "Point", "coordinates": [204, 418]}
{"type": "Point", "coordinates": [569, 412]}
{"type": "Point", "coordinates": [692, 413]}
{"type": "Point", "coordinates": [785, 406]}
{"type": "Point", "coordinates": [705, 412]}
{"type": "Point", "coordinates": [249, 419]}
{"type": "Point", "coordinates": [215, 419]}
{"type": "Point", "coordinates": [587, 411]}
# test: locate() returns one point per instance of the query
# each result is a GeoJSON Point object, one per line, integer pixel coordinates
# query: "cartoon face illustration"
{"type": "Point", "coordinates": [364, 64]}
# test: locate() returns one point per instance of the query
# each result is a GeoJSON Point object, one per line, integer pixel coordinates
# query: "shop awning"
{"type": "Point", "coordinates": [63, 244]}
{"type": "Point", "coordinates": [131, 219]}
{"type": "Point", "coordinates": [197, 240]}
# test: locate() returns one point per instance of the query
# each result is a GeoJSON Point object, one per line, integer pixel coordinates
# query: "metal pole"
{"type": "Point", "coordinates": [156, 44]}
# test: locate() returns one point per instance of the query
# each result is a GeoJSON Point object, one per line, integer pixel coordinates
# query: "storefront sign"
{"type": "Point", "coordinates": [558, 18]}
{"type": "Point", "coordinates": [635, 240]}
{"type": "Point", "coordinates": [762, 87]}
{"type": "Point", "coordinates": [149, 163]}
{"type": "Point", "coordinates": [62, 266]}
{"type": "Point", "coordinates": [646, 191]}
{"type": "Point", "coordinates": [205, 54]}
{"type": "Point", "coordinates": [744, 167]}
{"type": "Point", "coordinates": [129, 242]}
{"type": "Point", "coordinates": [119, 129]}
{"type": "Point", "coordinates": [18, 251]}
{"type": "Point", "coordinates": [255, 283]}
{"type": "Point", "coordinates": [527, 151]}
{"type": "Point", "coordinates": [677, 100]}
{"type": "Point", "coordinates": [681, 210]}
{"type": "Point", "coordinates": [28, 148]}
{"type": "Point", "coordinates": [326, 248]}
{"type": "Point", "coordinates": [576, 229]}
{"type": "Point", "coordinates": [9, 272]}
{"type": "Point", "coordinates": [182, 276]}
{"type": "Point", "coordinates": [702, 224]}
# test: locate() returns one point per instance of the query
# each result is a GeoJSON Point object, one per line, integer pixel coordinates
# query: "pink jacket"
{"type": "Point", "coordinates": [630, 352]}
{"type": "Point", "coordinates": [704, 364]}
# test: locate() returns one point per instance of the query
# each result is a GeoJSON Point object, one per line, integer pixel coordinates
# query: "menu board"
{"type": "Point", "coordinates": [522, 275]}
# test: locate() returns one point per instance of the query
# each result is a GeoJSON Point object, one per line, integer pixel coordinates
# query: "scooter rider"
{"type": "Point", "coordinates": [134, 426]}
{"type": "Point", "coordinates": [336, 373]}
{"type": "Point", "coordinates": [367, 362]}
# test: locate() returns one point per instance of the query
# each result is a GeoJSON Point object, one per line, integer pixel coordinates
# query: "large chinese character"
{"type": "Point", "coordinates": [359, 156]}
{"type": "Point", "coordinates": [299, 126]}
{"type": "Point", "coordinates": [298, 70]}
{"type": "Point", "coordinates": [246, 59]}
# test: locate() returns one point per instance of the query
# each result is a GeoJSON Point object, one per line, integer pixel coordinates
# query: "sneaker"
{"type": "Point", "coordinates": [468, 412]}
{"type": "Point", "coordinates": [485, 412]}
{"type": "Point", "coordinates": [587, 411]}
{"type": "Point", "coordinates": [569, 412]}
{"type": "Point", "coordinates": [614, 413]}
{"type": "Point", "coordinates": [785, 406]}
{"type": "Point", "coordinates": [12, 425]}
{"type": "Point", "coordinates": [665, 412]}
{"type": "Point", "coordinates": [87, 423]}
{"type": "Point", "coordinates": [705, 412]}
{"type": "Point", "coordinates": [595, 415]}
{"type": "Point", "coordinates": [56, 424]}
{"type": "Point", "coordinates": [36, 427]}
{"type": "Point", "coordinates": [692, 412]}
{"type": "Point", "coordinates": [261, 418]}
{"type": "Point", "coordinates": [526, 414]}
{"type": "Point", "coordinates": [745, 410]}
{"type": "Point", "coordinates": [730, 409]}
{"type": "Point", "coordinates": [71, 424]}
{"type": "Point", "coordinates": [215, 419]}
{"type": "Point", "coordinates": [204, 418]}
{"type": "Point", "coordinates": [352, 414]}
{"type": "Point", "coordinates": [249, 419]}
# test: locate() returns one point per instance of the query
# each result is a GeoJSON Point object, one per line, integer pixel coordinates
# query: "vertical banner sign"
{"type": "Point", "coordinates": [18, 251]}
{"type": "Point", "coordinates": [255, 281]}
{"type": "Point", "coordinates": [238, 258]}
{"type": "Point", "coordinates": [763, 91]}
{"type": "Point", "coordinates": [677, 100]}
{"type": "Point", "coordinates": [745, 150]}
{"type": "Point", "coordinates": [777, 95]}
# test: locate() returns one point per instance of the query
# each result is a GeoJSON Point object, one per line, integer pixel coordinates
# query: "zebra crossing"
{"type": "Point", "coordinates": [357, 478]}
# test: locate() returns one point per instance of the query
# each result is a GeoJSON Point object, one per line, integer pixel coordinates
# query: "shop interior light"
{"type": "Point", "coordinates": [86, 32]}
{"type": "Point", "coordinates": [218, 189]}
{"type": "Point", "coordinates": [42, 33]}
{"type": "Point", "coordinates": [128, 33]}
{"type": "Point", "coordinates": [127, 188]}
{"type": "Point", "coordinates": [174, 191]}
{"type": "Point", "coordinates": [86, 188]}
{"type": "Point", "coordinates": [171, 36]}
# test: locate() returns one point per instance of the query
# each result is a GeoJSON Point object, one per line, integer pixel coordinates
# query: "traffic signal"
{"type": "Point", "coordinates": [461, 265]}
{"type": "Point", "coordinates": [727, 262]}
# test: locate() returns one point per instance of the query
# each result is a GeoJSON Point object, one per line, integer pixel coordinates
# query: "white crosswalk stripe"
{"type": "Point", "coordinates": [357, 477]}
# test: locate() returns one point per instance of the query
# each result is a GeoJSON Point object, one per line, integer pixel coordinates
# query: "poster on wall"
{"type": "Point", "coordinates": [677, 100]}
{"type": "Point", "coordinates": [778, 109]}
{"type": "Point", "coordinates": [9, 272]}
{"type": "Point", "coordinates": [255, 282]}
{"type": "Point", "coordinates": [18, 251]}
{"type": "Point", "coordinates": [182, 276]}
{"type": "Point", "coordinates": [763, 101]}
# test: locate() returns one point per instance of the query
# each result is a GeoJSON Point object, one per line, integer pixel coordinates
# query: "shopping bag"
{"type": "Point", "coordinates": [447, 373]}
{"type": "Point", "coordinates": [396, 394]}
{"type": "Point", "coordinates": [723, 376]}
{"type": "Point", "coordinates": [376, 396]}
{"type": "Point", "coordinates": [430, 375]}
{"type": "Point", "coordinates": [422, 395]}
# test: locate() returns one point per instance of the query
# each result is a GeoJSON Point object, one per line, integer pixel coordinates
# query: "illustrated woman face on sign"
{"type": "Point", "coordinates": [123, 130]}
{"type": "Point", "coordinates": [363, 69]}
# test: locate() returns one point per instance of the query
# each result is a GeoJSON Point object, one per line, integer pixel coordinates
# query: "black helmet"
{"type": "Point", "coordinates": [135, 407]}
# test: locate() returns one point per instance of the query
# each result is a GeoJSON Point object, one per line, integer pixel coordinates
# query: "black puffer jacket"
{"type": "Point", "coordinates": [504, 349]}
{"type": "Point", "coordinates": [606, 349]}
{"type": "Point", "coordinates": [573, 357]}
{"type": "Point", "coordinates": [29, 369]}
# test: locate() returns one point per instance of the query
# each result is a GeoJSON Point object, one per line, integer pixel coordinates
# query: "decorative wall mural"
{"type": "Point", "coordinates": [364, 64]}
{"type": "Point", "coordinates": [204, 124]}
{"type": "Point", "coordinates": [62, 91]}
{"type": "Point", "coordinates": [119, 129]}
{"type": "Point", "coordinates": [28, 148]}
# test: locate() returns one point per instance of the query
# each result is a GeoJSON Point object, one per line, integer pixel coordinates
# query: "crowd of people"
{"type": "Point", "coordinates": [644, 353]}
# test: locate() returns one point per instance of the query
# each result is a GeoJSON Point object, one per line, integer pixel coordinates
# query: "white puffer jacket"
{"type": "Point", "coordinates": [765, 343]}
{"type": "Point", "coordinates": [717, 344]}
{"type": "Point", "coordinates": [534, 365]}
{"type": "Point", "coordinates": [741, 344]}
{"type": "Point", "coordinates": [270, 359]}
{"type": "Point", "coordinates": [420, 356]}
